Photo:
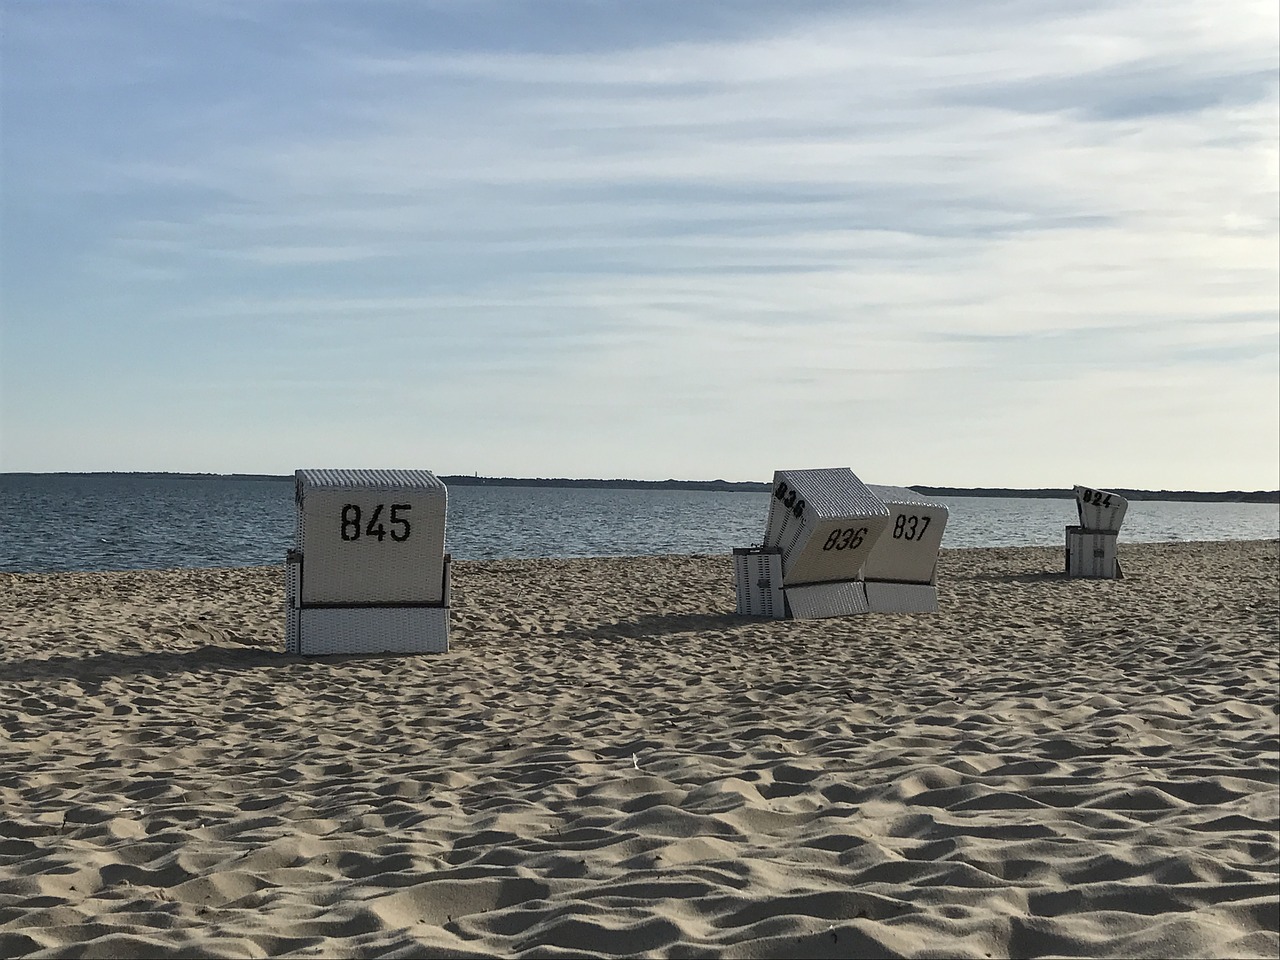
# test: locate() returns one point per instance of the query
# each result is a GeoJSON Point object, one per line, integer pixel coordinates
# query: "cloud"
{"type": "Point", "coordinates": [641, 213]}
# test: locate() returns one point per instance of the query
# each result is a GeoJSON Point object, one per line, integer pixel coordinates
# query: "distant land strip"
{"type": "Point", "coordinates": [747, 486]}
{"type": "Point", "coordinates": [730, 486]}
{"type": "Point", "coordinates": [1193, 496]}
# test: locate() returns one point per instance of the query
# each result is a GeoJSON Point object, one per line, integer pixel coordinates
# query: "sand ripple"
{"type": "Point", "coordinates": [610, 763]}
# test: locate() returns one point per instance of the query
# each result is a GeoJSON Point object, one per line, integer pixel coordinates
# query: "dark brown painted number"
{"type": "Point", "coordinates": [909, 527]}
{"type": "Point", "coordinates": [845, 539]}
{"type": "Point", "coordinates": [352, 528]}
{"type": "Point", "coordinates": [787, 497]}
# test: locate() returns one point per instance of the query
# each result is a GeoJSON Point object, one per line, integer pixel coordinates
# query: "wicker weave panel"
{"type": "Point", "coordinates": [902, 597]}
{"type": "Point", "coordinates": [810, 560]}
{"type": "Point", "coordinates": [832, 493]}
{"type": "Point", "coordinates": [807, 508]}
{"type": "Point", "coordinates": [292, 587]}
{"type": "Point", "coordinates": [292, 630]}
{"type": "Point", "coordinates": [423, 480]}
{"type": "Point", "coordinates": [1091, 554]}
{"type": "Point", "coordinates": [758, 576]}
{"type": "Point", "coordinates": [345, 630]}
{"type": "Point", "coordinates": [908, 549]}
{"type": "Point", "coordinates": [903, 496]}
{"type": "Point", "coordinates": [819, 600]}
{"type": "Point", "coordinates": [353, 558]}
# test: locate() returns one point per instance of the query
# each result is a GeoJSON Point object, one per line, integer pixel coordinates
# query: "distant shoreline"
{"type": "Point", "coordinates": [722, 486]}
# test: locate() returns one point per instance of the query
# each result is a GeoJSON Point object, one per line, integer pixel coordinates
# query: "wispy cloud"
{"type": "Point", "coordinates": [555, 215]}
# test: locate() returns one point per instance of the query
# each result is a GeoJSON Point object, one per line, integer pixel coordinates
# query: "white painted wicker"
{"type": "Point", "coordinates": [292, 582]}
{"type": "Point", "coordinates": [383, 629]}
{"type": "Point", "coordinates": [371, 536]}
{"type": "Point", "coordinates": [818, 600]}
{"type": "Point", "coordinates": [825, 522]}
{"type": "Point", "coordinates": [369, 573]}
{"type": "Point", "coordinates": [908, 550]}
{"type": "Point", "coordinates": [758, 576]}
{"type": "Point", "coordinates": [1092, 554]}
{"type": "Point", "coordinates": [1100, 510]}
{"type": "Point", "coordinates": [885, 597]}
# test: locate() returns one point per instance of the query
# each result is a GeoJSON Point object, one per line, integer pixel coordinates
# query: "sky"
{"type": "Point", "coordinates": [1016, 244]}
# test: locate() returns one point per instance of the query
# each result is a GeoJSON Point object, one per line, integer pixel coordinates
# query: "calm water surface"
{"type": "Point", "coordinates": [61, 522]}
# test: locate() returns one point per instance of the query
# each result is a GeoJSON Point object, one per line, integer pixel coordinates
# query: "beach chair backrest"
{"type": "Point", "coordinates": [825, 523]}
{"type": "Point", "coordinates": [1100, 510]}
{"type": "Point", "coordinates": [371, 536]}
{"type": "Point", "coordinates": [908, 551]}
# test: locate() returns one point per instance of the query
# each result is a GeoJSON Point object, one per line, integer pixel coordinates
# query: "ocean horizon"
{"type": "Point", "coordinates": [624, 483]}
{"type": "Point", "coordinates": [69, 522]}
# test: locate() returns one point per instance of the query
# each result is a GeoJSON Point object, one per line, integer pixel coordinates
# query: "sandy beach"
{"type": "Point", "coordinates": [610, 762]}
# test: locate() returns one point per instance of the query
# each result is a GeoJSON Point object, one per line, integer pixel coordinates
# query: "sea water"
{"type": "Point", "coordinates": [51, 522]}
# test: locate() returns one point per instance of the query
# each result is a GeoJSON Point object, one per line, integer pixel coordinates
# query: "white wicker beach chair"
{"type": "Point", "coordinates": [901, 570]}
{"type": "Point", "coordinates": [368, 573]}
{"type": "Point", "coordinates": [821, 527]}
{"type": "Point", "coordinates": [1091, 545]}
{"type": "Point", "coordinates": [1100, 510]}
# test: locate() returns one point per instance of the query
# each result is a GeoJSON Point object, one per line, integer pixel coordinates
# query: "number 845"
{"type": "Point", "coordinates": [352, 528]}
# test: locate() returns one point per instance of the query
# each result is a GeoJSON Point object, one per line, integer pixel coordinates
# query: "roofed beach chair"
{"type": "Point", "coordinates": [368, 572]}
{"type": "Point", "coordinates": [1091, 545]}
{"type": "Point", "coordinates": [901, 572]}
{"type": "Point", "coordinates": [821, 527]}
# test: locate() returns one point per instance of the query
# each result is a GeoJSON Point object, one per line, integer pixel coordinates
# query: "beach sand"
{"type": "Point", "coordinates": [610, 762]}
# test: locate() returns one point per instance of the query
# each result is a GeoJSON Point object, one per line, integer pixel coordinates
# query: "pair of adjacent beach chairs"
{"type": "Point", "coordinates": [369, 573]}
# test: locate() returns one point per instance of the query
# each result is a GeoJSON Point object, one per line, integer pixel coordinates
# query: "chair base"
{"type": "Point", "coordinates": [317, 630]}
{"type": "Point", "coordinates": [1092, 553]}
{"type": "Point", "coordinates": [888, 597]}
{"type": "Point", "coordinates": [325, 631]}
{"type": "Point", "coordinates": [816, 601]}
